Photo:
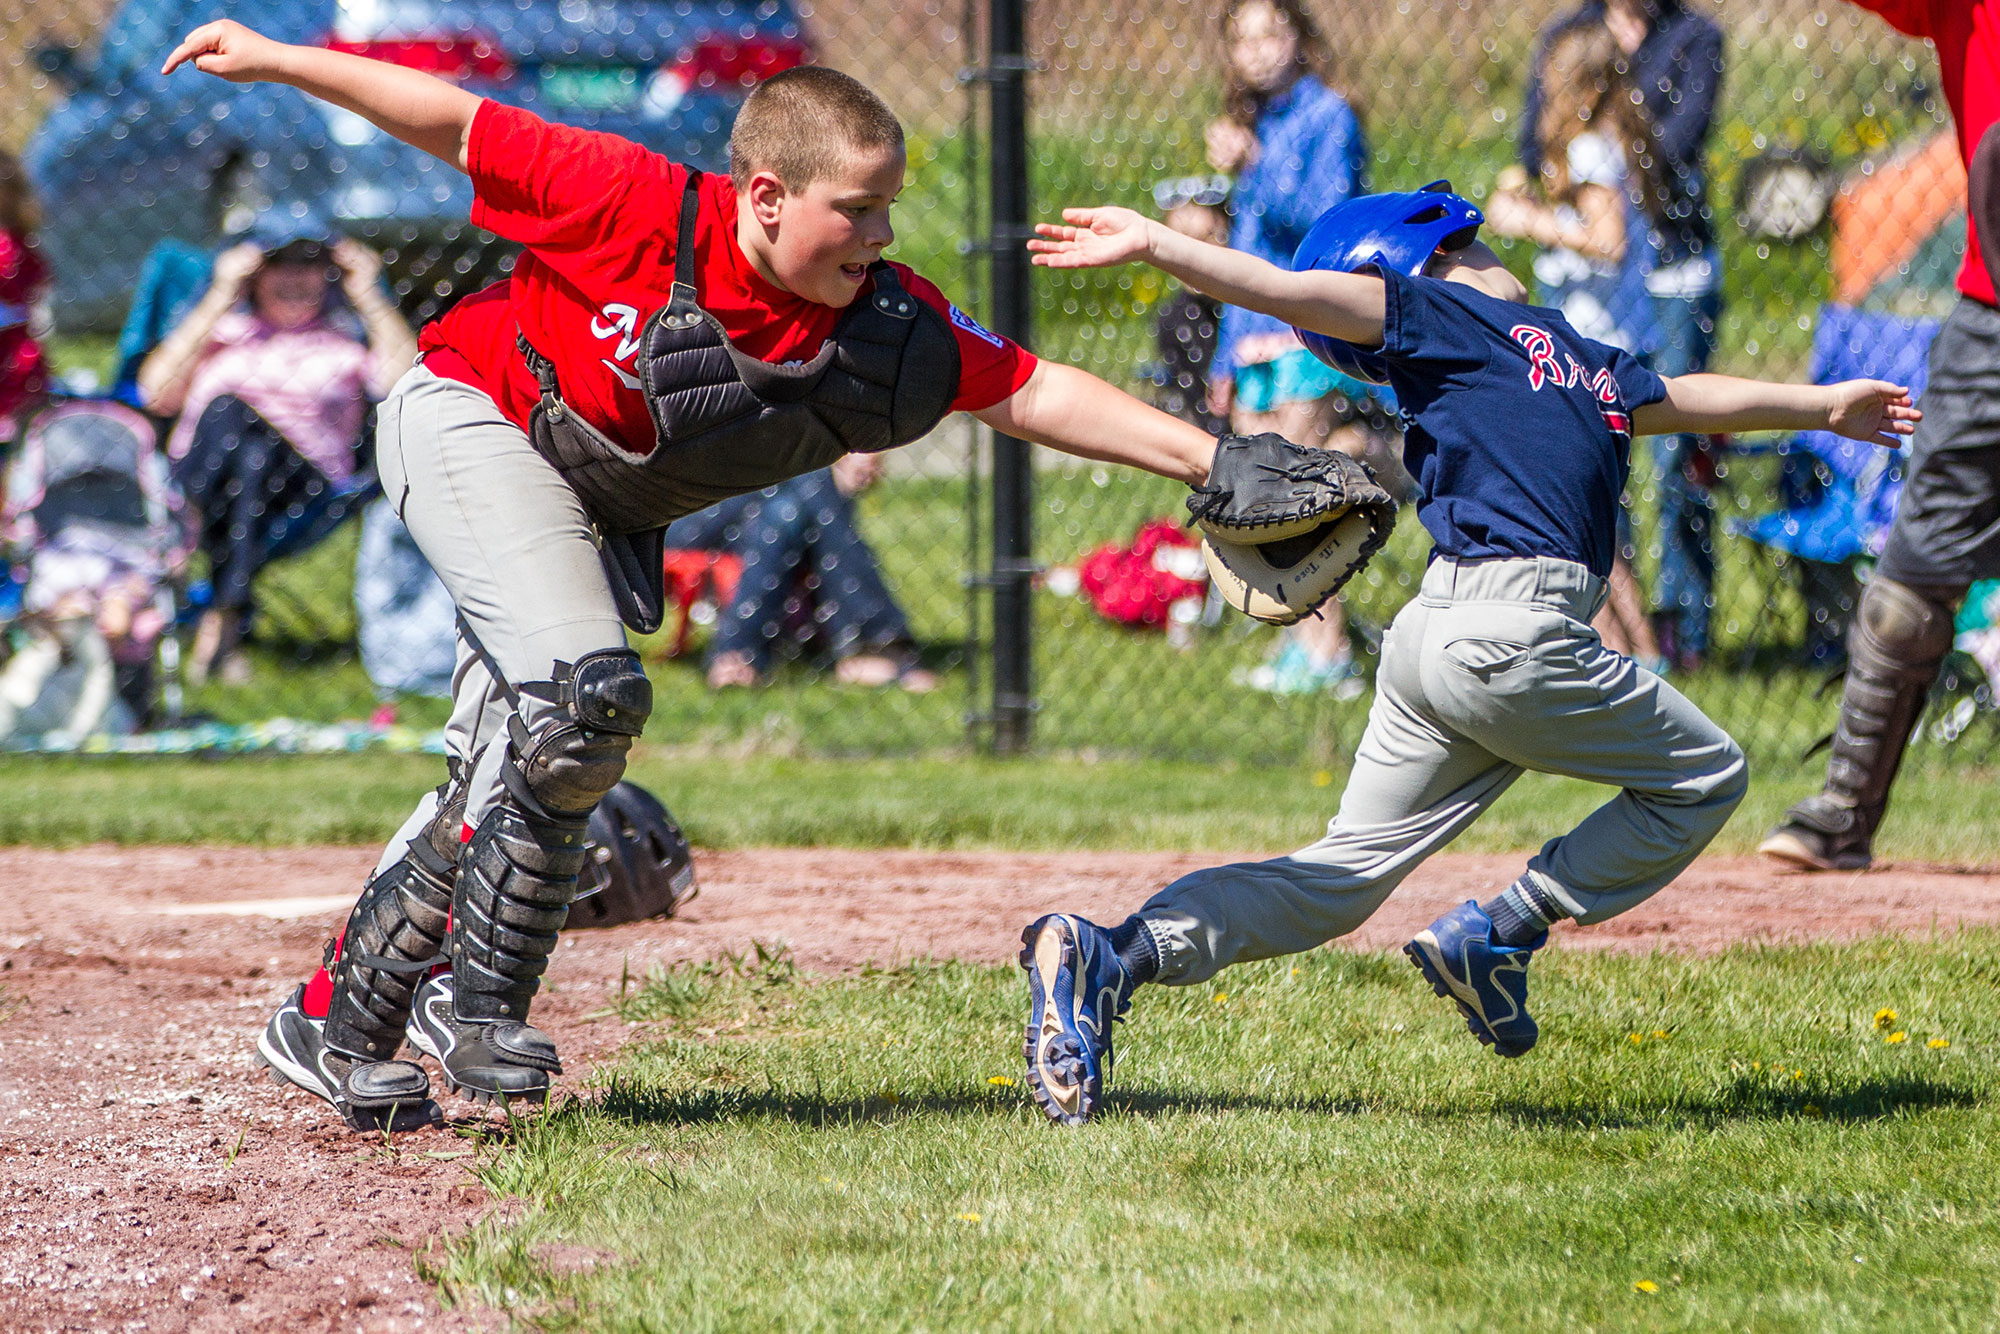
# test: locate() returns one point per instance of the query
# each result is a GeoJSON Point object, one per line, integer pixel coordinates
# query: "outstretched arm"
{"type": "Point", "coordinates": [1077, 413]}
{"type": "Point", "coordinates": [1874, 411]}
{"type": "Point", "coordinates": [423, 111]}
{"type": "Point", "coordinates": [1347, 306]}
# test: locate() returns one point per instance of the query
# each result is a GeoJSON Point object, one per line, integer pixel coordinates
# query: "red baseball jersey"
{"type": "Point", "coordinates": [598, 216]}
{"type": "Point", "coordinates": [1967, 35]}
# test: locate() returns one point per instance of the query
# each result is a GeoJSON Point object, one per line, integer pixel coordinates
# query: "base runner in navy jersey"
{"type": "Point", "coordinates": [1517, 429]}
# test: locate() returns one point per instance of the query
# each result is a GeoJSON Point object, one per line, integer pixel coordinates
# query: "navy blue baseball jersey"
{"type": "Point", "coordinates": [1518, 428]}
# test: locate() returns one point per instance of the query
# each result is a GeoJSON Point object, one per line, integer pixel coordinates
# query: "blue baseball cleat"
{"type": "Point", "coordinates": [1076, 989]}
{"type": "Point", "coordinates": [1486, 980]}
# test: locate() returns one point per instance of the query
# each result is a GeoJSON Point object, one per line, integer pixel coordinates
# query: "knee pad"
{"type": "Point", "coordinates": [1902, 632]}
{"type": "Point", "coordinates": [565, 765]}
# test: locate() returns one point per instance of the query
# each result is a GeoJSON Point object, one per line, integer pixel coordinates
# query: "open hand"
{"type": "Point", "coordinates": [855, 473]}
{"type": "Point", "coordinates": [359, 266]}
{"type": "Point", "coordinates": [1231, 145]}
{"type": "Point", "coordinates": [235, 266]}
{"type": "Point", "coordinates": [1510, 214]}
{"type": "Point", "coordinates": [1874, 411]}
{"type": "Point", "coordinates": [1094, 238]}
{"type": "Point", "coordinates": [229, 51]}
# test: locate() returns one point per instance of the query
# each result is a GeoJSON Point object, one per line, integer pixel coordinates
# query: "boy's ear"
{"type": "Point", "coordinates": [766, 196]}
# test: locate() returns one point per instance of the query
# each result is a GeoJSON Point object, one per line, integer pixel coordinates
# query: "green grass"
{"type": "Point", "coordinates": [964, 802]}
{"type": "Point", "coordinates": [1305, 1144]}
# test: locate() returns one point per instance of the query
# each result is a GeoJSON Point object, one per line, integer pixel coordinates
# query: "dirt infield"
{"type": "Point", "coordinates": [151, 1179]}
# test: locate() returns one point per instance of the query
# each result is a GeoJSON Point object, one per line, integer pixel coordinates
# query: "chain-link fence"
{"type": "Point", "coordinates": [1828, 176]}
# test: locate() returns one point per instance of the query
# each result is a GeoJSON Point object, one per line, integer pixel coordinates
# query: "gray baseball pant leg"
{"type": "Point", "coordinates": [513, 546]}
{"type": "Point", "coordinates": [1491, 671]}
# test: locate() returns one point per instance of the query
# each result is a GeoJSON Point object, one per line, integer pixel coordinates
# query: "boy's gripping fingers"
{"type": "Point", "coordinates": [1872, 410]}
{"type": "Point", "coordinates": [227, 50]}
{"type": "Point", "coordinates": [1093, 238]}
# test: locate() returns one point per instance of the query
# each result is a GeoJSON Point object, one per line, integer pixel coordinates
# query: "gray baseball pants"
{"type": "Point", "coordinates": [1492, 670]}
{"type": "Point", "coordinates": [513, 546]}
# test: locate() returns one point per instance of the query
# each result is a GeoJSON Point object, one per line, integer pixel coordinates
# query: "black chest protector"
{"type": "Point", "coordinates": [727, 423]}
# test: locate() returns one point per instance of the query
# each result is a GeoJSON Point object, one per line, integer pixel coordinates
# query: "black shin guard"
{"type": "Point", "coordinates": [396, 932]}
{"type": "Point", "coordinates": [519, 873]}
{"type": "Point", "coordinates": [514, 890]}
{"type": "Point", "coordinates": [1900, 635]}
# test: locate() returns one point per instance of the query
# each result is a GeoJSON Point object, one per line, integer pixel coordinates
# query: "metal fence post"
{"type": "Point", "coordinates": [1013, 482]}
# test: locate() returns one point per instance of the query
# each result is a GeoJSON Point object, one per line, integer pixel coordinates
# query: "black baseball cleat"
{"type": "Point", "coordinates": [369, 1095]}
{"type": "Point", "coordinates": [486, 1062]}
{"type": "Point", "coordinates": [1823, 835]}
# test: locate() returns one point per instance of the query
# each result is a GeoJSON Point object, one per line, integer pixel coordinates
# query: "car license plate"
{"type": "Point", "coordinates": [590, 87]}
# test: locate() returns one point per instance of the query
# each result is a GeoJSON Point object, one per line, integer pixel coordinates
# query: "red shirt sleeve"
{"type": "Point", "coordinates": [990, 367]}
{"type": "Point", "coordinates": [557, 189]}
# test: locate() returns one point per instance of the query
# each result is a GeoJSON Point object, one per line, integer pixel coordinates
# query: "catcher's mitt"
{"type": "Point", "coordinates": [1286, 526]}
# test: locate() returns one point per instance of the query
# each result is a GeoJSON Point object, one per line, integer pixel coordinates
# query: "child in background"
{"type": "Point", "coordinates": [1186, 327]}
{"type": "Point", "coordinates": [1293, 143]}
{"type": "Point", "coordinates": [24, 286]}
{"type": "Point", "coordinates": [1599, 187]}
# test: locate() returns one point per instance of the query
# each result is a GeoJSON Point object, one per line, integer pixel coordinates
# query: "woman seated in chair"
{"type": "Point", "coordinates": [272, 389]}
{"type": "Point", "coordinates": [805, 527]}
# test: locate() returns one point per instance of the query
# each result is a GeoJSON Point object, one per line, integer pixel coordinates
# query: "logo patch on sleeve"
{"type": "Point", "coordinates": [971, 326]}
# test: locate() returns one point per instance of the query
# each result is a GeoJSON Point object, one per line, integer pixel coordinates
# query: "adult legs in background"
{"type": "Point", "coordinates": [1945, 536]}
{"type": "Point", "coordinates": [1686, 512]}
{"type": "Point", "coordinates": [246, 481]}
{"type": "Point", "coordinates": [807, 526]}
{"type": "Point", "coordinates": [1622, 622]}
{"type": "Point", "coordinates": [1315, 653]}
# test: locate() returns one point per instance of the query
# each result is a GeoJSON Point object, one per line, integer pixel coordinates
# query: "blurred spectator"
{"type": "Point", "coordinates": [1674, 60]}
{"type": "Point", "coordinates": [273, 396]}
{"type": "Point", "coordinates": [1294, 146]}
{"type": "Point", "coordinates": [408, 627]}
{"type": "Point", "coordinates": [24, 286]}
{"type": "Point", "coordinates": [1189, 322]}
{"type": "Point", "coordinates": [1599, 190]}
{"type": "Point", "coordinates": [805, 529]}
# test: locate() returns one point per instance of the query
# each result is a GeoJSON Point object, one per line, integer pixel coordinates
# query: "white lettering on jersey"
{"type": "Point", "coordinates": [620, 321]}
{"type": "Point", "coordinates": [971, 326]}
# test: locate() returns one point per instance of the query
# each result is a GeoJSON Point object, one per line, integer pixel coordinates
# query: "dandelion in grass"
{"type": "Point", "coordinates": [1938, 1044]}
{"type": "Point", "coordinates": [1635, 1038]}
{"type": "Point", "coordinates": [1896, 1037]}
{"type": "Point", "coordinates": [1000, 1081]}
{"type": "Point", "coordinates": [1645, 1285]}
{"type": "Point", "coordinates": [1798, 1074]}
{"type": "Point", "coordinates": [1222, 998]}
{"type": "Point", "coordinates": [1659, 1035]}
{"type": "Point", "coordinates": [1323, 778]}
{"type": "Point", "coordinates": [968, 1218]}
{"type": "Point", "coordinates": [1885, 1018]}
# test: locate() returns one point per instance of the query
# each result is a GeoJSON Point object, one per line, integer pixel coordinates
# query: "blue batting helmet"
{"type": "Point", "coordinates": [1395, 231]}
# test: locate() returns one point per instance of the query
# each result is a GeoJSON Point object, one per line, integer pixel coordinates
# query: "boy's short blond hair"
{"type": "Point", "coordinates": [804, 124]}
